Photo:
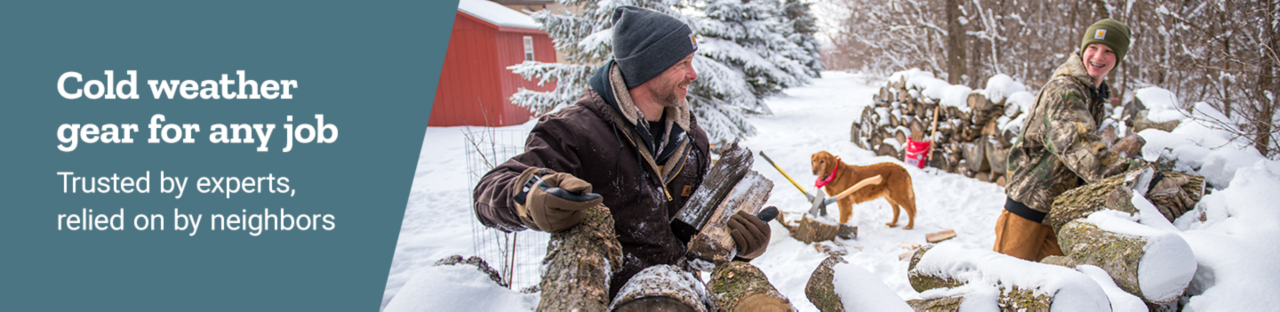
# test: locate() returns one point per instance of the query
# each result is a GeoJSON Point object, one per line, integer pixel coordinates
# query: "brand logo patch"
{"type": "Point", "coordinates": [693, 41]}
{"type": "Point", "coordinates": [1100, 34]}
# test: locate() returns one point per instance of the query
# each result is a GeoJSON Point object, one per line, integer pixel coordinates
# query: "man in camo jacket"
{"type": "Point", "coordinates": [1059, 147]}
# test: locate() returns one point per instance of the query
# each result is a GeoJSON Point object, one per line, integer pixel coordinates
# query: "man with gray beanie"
{"type": "Point", "coordinates": [629, 143]}
{"type": "Point", "coordinates": [1059, 148]}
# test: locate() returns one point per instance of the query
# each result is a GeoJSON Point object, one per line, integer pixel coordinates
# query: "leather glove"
{"type": "Point", "coordinates": [750, 234]}
{"type": "Point", "coordinates": [1130, 146]}
{"type": "Point", "coordinates": [1167, 194]}
{"type": "Point", "coordinates": [553, 202]}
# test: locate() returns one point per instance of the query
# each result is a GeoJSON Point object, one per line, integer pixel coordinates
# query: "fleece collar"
{"type": "Point", "coordinates": [609, 83]}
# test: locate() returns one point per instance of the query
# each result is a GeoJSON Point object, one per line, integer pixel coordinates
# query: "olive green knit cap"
{"type": "Point", "coordinates": [1109, 32]}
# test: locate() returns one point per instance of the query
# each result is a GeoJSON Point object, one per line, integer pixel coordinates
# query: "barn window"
{"type": "Point", "coordinates": [528, 48]}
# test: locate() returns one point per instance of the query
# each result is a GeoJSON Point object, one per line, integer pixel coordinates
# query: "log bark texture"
{"type": "Point", "coordinates": [921, 281]}
{"type": "Point", "coordinates": [810, 230]}
{"type": "Point", "coordinates": [1114, 193]}
{"type": "Point", "coordinates": [1121, 255]}
{"type": "Point", "coordinates": [820, 290]}
{"type": "Point", "coordinates": [714, 243]}
{"type": "Point", "coordinates": [740, 286]}
{"type": "Point", "coordinates": [948, 304]}
{"type": "Point", "coordinates": [579, 263]}
{"type": "Point", "coordinates": [662, 287]}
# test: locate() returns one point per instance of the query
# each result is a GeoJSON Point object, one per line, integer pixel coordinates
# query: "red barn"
{"type": "Point", "coordinates": [475, 84]}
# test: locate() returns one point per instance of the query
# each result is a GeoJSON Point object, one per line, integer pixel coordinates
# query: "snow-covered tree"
{"type": "Point", "coordinates": [747, 36]}
{"type": "Point", "coordinates": [718, 97]}
{"type": "Point", "coordinates": [802, 25]}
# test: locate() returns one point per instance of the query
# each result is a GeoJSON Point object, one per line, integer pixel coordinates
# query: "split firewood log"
{"type": "Point", "coordinates": [978, 102]}
{"type": "Point", "coordinates": [714, 243]}
{"type": "Point", "coordinates": [887, 150]}
{"type": "Point", "coordinates": [740, 286]}
{"type": "Point", "coordinates": [974, 157]}
{"type": "Point", "coordinates": [997, 158]}
{"type": "Point", "coordinates": [855, 137]}
{"type": "Point", "coordinates": [917, 130]}
{"type": "Point", "coordinates": [901, 135]}
{"type": "Point", "coordinates": [816, 229]}
{"type": "Point", "coordinates": [579, 263]}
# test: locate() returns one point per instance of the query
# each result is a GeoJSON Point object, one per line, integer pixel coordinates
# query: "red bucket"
{"type": "Point", "coordinates": [917, 153]}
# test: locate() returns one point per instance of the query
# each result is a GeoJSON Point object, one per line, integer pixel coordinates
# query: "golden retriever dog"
{"type": "Point", "coordinates": [896, 188]}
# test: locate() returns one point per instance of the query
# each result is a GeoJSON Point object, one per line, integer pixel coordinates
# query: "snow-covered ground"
{"type": "Point", "coordinates": [1233, 247]}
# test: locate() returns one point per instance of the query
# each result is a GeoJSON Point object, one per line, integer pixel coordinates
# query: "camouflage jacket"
{"type": "Point", "coordinates": [1059, 147]}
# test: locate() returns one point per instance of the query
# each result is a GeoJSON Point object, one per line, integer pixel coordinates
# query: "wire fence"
{"type": "Point", "coordinates": [517, 256]}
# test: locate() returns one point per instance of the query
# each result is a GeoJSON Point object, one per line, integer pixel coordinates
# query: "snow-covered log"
{"type": "Point", "coordinates": [1151, 264]}
{"type": "Point", "coordinates": [740, 286]}
{"type": "Point", "coordinates": [662, 288]}
{"type": "Point", "coordinates": [1115, 193]}
{"type": "Point", "coordinates": [837, 285]}
{"type": "Point", "coordinates": [579, 263]}
{"type": "Point", "coordinates": [1000, 281]}
{"type": "Point", "coordinates": [820, 291]}
{"type": "Point", "coordinates": [714, 243]}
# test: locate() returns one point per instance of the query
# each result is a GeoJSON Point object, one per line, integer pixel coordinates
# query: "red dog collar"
{"type": "Point", "coordinates": [823, 182]}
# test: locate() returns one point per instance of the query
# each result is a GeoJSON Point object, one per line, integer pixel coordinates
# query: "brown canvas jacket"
{"type": "Point", "coordinates": [595, 142]}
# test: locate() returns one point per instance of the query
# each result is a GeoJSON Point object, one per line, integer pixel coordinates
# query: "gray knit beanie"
{"type": "Point", "coordinates": [646, 43]}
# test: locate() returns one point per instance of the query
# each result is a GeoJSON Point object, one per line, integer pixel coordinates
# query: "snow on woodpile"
{"type": "Point", "coordinates": [984, 278]}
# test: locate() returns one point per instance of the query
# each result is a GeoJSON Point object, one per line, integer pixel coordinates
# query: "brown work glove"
{"type": "Point", "coordinates": [1168, 196]}
{"type": "Point", "coordinates": [750, 234]}
{"type": "Point", "coordinates": [553, 202]}
{"type": "Point", "coordinates": [1130, 146]}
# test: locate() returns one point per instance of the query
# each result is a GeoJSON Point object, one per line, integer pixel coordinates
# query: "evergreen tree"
{"type": "Point", "coordinates": [746, 36]}
{"type": "Point", "coordinates": [802, 27]}
{"type": "Point", "coordinates": [718, 97]}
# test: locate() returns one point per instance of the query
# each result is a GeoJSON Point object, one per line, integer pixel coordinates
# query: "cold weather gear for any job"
{"type": "Point", "coordinates": [600, 140]}
{"type": "Point", "coordinates": [750, 234]}
{"type": "Point", "coordinates": [1110, 32]}
{"type": "Point", "coordinates": [553, 202]}
{"type": "Point", "coordinates": [1059, 147]}
{"type": "Point", "coordinates": [646, 43]}
{"type": "Point", "coordinates": [1021, 238]}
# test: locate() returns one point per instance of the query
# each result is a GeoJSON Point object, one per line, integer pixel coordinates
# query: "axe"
{"type": "Point", "coordinates": [784, 174]}
{"type": "Point", "coordinates": [819, 207]}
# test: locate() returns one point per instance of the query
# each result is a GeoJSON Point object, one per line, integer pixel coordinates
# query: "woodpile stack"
{"type": "Point", "coordinates": [969, 140]}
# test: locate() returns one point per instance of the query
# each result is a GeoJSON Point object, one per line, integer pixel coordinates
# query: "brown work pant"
{"type": "Point", "coordinates": [1016, 236]}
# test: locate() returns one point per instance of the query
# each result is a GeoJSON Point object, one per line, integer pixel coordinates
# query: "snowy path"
{"type": "Point", "coordinates": [816, 118]}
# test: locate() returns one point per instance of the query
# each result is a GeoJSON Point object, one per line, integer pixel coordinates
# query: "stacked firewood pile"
{"type": "Point", "coordinates": [969, 140]}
